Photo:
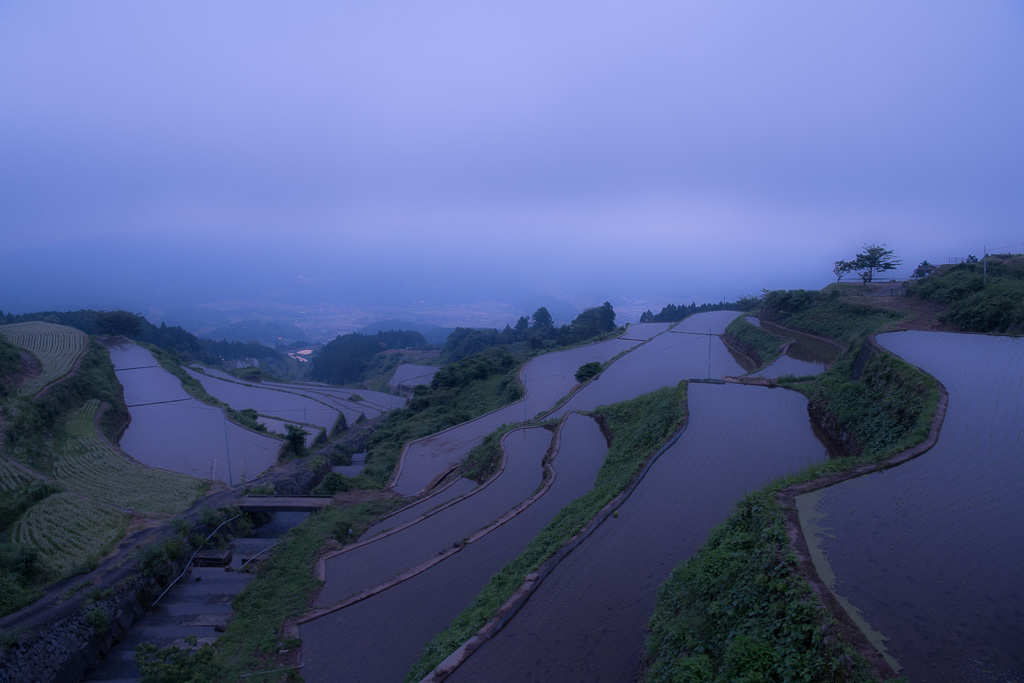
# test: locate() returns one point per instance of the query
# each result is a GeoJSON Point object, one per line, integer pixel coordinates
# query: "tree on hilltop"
{"type": "Point", "coordinates": [841, 268]}
{"type": "Point", "coordinates": [874, 259]}
{"type": "Point", "coordinates": [923, 270]}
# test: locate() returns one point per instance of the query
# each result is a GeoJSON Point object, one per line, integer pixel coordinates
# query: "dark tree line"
{"type": "Point", "coordinates": [673, 313]}
{"type": "Point", "coordinates": [135, 327]}
{"type": "Point", "coordinates": [538, 332]}
{"type": "Point", "coordinates": [345, 358]}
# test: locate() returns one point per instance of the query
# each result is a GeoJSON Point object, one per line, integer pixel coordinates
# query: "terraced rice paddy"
{"type": "Point", "coordinates": [171, 430]}
{"type": "Point", "coordinates": [644, 331]}
{"type": "Point", "coordinates": [13, 476]}
{"type": "Point", "coordinates": [586, 620]}
{"type": "Point", "coordinates": [409, 375]}
{"type": "Point", "coordinates": [547, 379]}
{"type": "Point", "coordinates": [57, 347]}
{"type": "Point", "coordinates": [348, 401]}
{"type": "Point", "coordinates": [713, 322]}
{"type": "Point", "coordinates": [384, 634]}
{"type": "Point", "coordinates": [91, 466]}
{"type": "Point", "coordinates": [67, 529]}
{"type": "Point", "coordinates": [663, 361]}
{"type": "Point", "coordinates": [386, 556]}
{"type": "Point", "coordinates": [928, 554]}
{"type": "Point", "coordinates": [270, 401]}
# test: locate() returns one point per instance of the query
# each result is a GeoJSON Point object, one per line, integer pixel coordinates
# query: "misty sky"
{"type": "Point", "coordinates": [659, 151]}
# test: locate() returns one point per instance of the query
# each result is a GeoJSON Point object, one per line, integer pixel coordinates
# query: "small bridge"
{"type": "Point", "coordinates": [284, 503]}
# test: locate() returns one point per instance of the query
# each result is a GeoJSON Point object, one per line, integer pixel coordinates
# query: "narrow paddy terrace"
{"type": "Point", "coordinates": [385, 633]}
{"type": "Point", "coordinates": [361, 567]}
{"type": "Point", "coordinates": [586, 620]}
{"type": "Point", "coordinates": [926, 556]}
{"type": "Point", "coordinates": [546, 378]}
{"type": "Point", "coordinates": [661, 362]}
{"type": "Point", "coordinates": [172, 430]}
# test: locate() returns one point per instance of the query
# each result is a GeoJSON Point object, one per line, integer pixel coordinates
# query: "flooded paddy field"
{"type": "Point", "coordinates": [171, 430]}
{"type": "Point", "coordinates": [385, 556]}
{"type": "Point", "coordinates": [806, 355]}
{"type": "Point", "coordinates": [269, 401]}
{"type": "Point", "coordinates": [645, 331]}
{"type": "Point", "coordinates": [410, 375]}
{"type": "Point", "coordinates": [370, 403]}
{"type": "Point", "coordinates": [661, 362]}
{"type": "Point", "coordinates": [929, 553]}
{"type": "Point", "coordinates": [383, 635]}
{"type": "Point", "coordinates": [459, 487]}
{"type": "Point", "coordinates": [586, 620]}
{"type": "Point", "coordinates": [547, 378]}
{"type": "Point", "coordinates": [787, 365]}
{"type": "Point", "coordinates": [713, 322]}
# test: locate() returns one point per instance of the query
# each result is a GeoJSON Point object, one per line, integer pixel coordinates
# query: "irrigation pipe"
{"type": "Point", "coordinates": [242, 566]}
{"type": "Point", "coordinates": [189, 563]}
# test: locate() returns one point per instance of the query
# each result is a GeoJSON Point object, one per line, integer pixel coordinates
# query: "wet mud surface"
{"type": "Point", "coordinates": [586, 620]}
{"type": "Point", "coordinates": [929, 552]}
{"type": "Point", "coordinates": [171, 430]}
{"type": "Point", "coordinates": [380, 638]}
{"type": "Point", "coordinates": [547, 378]}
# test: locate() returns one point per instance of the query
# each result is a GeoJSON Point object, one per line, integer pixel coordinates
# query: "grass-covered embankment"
{"type": "Point", "coordinates": [741, 608]}
{"type": "Point", "coordinates": [281, 591]}
{"type": "Point", "coordinates": [827, 313]}
{"type": "Point", "coordinates": [637, 428]}
{"type": "Point", "coordinates": [758, 344]}
{"type": "Point", "coordinates": [982, 297]}
{"type": "Point", "coordinates": [459, 392]}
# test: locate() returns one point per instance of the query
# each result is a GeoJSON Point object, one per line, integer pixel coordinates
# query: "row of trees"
{"type": "Point", "coordinates": [673, 313]}
{"type": "Point", "coordinates": [538, 331]}
{"type": "Point", "coordinates": [133, 326]}
{"type": "Point", "coordinates": [877, 259]}
{"type": "Point", "coordinates": [345, 358]}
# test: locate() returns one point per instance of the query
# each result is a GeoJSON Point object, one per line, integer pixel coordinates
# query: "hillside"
{"type": "Point", "coordinates": [67, 494]}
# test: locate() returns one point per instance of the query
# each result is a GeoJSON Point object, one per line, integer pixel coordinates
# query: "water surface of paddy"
{"type": "Point", "coordinates": [586, 621]}
{"type": "Point", "coordinates": [929, 553]}
{"type": "Point", "coordinates": [383, 635]}
{"type": "Point", "coordinates": [547, 378]}
{"type": "Point", "coordinates": [169, 429]}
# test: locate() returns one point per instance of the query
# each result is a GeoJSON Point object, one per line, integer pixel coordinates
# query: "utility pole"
{"type": "Point", "coordinates": [227, 448]}
{"type": "Point", "coordinates": [709, 354]}
{"type": "Point", "coordinates": [984, 265]}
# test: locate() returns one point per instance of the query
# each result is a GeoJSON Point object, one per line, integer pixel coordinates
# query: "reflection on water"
{"type": "Point", "coordinates": [787, 365]}
{"type": "Point", "coordinates": [929, 552]}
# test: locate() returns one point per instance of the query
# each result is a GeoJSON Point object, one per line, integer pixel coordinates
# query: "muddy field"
{"type": "Point", "coordinates": [383, 635]}
{"type": "Point", "coordinates": [928, 554]}
{"type": "Point", "coordinates": [586, 621]}
{"type": "Point", "coordinates": [169, 429]}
